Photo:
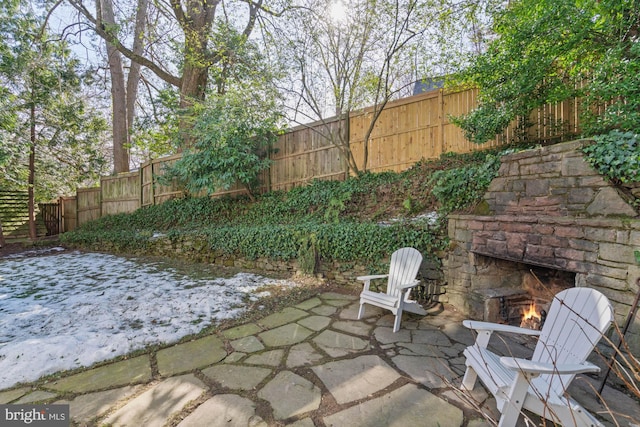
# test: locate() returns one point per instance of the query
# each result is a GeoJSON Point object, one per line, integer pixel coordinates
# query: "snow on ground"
{"type": "Point", "coordinates": [72, 309]}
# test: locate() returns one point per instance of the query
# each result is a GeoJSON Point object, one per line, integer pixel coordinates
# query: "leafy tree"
{"type": "Point", "coordinates": [234, 131]}
{"type": "Point", "coordinates": [612, 98]}
{"type": "Point", "coordinates": [182, 47]}
{"type": "Point", "coordinates": [552, 50]}
{"type": "Point", "coordinates": [45, 126]}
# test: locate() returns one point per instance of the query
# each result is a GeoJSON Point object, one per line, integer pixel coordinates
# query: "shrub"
{"type": "Point", "coordinates": [462, 187]}
{"type": "Point", "coordinates": [616, 155]}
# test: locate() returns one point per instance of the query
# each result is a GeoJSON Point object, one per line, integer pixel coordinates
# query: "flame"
{"type": "Point", "coordinates": [531, 313]}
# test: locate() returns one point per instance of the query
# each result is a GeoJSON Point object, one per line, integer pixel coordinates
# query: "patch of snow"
{"type": "Point", "coordinates": [35, 252]}
{"type": "Point", "coordinates": [430, 218]}
{"type": "Point", "coordinates": [68, 310]}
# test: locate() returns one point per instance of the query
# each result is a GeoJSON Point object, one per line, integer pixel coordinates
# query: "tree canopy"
{"type": "Point", "coordinates": [188, 41]}
{"type": "Point", "coordinates": [325, 57]}
{"type": "Point", "coordinates": [43, 110]}
{"type": "Point", "coordinates": [551, 50]}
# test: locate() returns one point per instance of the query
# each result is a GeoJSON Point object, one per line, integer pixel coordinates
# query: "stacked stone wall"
{"type": "Point", "coordinates": [554, 181]}
{"type": "Point", "coordinates": [196, 249]}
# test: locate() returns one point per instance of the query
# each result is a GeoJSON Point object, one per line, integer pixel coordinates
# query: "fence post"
{"type": "Point", "coordinates": [153, 182]}
{"type": "Point", "coordinates": [77, 210]}
{"type": "Point", "coordinates": [61, 216]}
{"type": "Point", "coordinates": [441, 119]}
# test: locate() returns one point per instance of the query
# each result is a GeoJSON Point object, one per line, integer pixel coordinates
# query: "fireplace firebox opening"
{"type": "Point", "coordinates": [523, 299]}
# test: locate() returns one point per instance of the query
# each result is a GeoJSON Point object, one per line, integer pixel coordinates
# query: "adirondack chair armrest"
{"type": "Point", "coordinates": [538, 368]}
{"type": "Point", "coordinates": [367, 279]}
{"type": "Point", "coordinates": [372, 277]}
{"type": "Point", "coordinates": [485, 329]}
{"type": "Point", "coordinates": [409, 285]}
{"type": "Point", "coordinates": [498, 327]}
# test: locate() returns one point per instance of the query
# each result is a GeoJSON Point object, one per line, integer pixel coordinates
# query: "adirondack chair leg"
{"type": "Point", "coordinates": [513, 404]}
{"type": "Point", "coordinates": [469, 379]}
{"type": "Point", "coordinates": [470, 376]}
{"type": "Point", "coordinates": [361, 311]}
{"type": "Point", "coordinates": [396, 323]}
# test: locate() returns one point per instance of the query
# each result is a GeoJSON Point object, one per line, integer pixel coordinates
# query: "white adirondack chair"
{"type": "Point", "coordinates": [403, 270]}
{"type": "Point", "coordinates": [577, 319]}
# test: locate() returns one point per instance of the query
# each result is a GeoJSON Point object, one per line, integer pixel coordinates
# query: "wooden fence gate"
{"type": "Point", "coordinates": [51, 216]}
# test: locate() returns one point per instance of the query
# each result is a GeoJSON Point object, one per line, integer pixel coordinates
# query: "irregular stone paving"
{"type": "Point", "coordinates": [310, 365]}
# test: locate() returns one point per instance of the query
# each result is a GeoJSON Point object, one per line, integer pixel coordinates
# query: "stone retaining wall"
{"type": "Point", "coordinates": [196, 249]}
{"type": "Point", "coordinates": [554, 181]}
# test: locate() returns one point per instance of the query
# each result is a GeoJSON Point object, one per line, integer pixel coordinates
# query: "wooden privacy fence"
{"type": "Point", "coordinates": [407, 131]}
{"type": "Point", "coordinates": [151, 192]}
{"type": "Point", "coordinates": [88, 205]}
{"type": "Point", "coordinates": [303, 154]}
{"type": "Point", "coordinates": [68, 213]}
{"type": "Point", "coordinates": [14, 213]}
{"type": "Point", "coordinates": [419, 127]}
{"type": "Point", "coordinates": [14, 216]}
{"type": "Point", "coordinates": [119, 193]}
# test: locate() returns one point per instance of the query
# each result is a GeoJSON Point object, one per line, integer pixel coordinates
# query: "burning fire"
{"type": "Point", "coordinates": [531, 318]}
{"type": "Point", "coordinates": [530, 313]}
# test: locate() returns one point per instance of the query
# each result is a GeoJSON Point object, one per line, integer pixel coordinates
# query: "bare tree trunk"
{"type": "Point", "coordinates": [134, 72]}
{"type": "Point", "coordinates": [118, 95]}
{"type": "Point", "coordinates": [344, 142]}
{"type": "Point", "coordinates": [194, 83]}
{"type": "Point", "coordinates": [33, 234]}
{"type": "Point", "coordinates": [375, 115]}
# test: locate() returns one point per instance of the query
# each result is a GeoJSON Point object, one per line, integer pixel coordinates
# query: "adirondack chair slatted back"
{"type": "Point", "coordinates": [577, 319]}
{"type": "Point", "coordinates": [405, 263]}
{"type": "Point", "coordinates": [403, 269]}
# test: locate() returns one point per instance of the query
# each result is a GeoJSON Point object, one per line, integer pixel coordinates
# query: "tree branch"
{"type": "Point", "coordinates": [101, 30]}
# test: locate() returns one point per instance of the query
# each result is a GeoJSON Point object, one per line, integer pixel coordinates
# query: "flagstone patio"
{"type": "Point", "coordinates": [313, 364]}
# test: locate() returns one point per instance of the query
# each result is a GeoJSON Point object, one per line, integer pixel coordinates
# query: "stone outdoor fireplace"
{"type": "Point", "coordinates": [547, 222]}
